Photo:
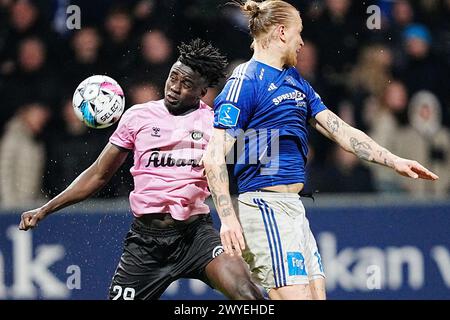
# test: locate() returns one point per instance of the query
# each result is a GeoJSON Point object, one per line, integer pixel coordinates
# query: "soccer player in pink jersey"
{"type": "Point", "coordinates": [172, 235]}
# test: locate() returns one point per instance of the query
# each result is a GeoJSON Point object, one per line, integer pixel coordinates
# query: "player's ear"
{"type": "Point", "coordinates": [282, 32]}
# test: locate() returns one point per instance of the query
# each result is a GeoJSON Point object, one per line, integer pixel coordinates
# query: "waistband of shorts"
{"type": "Point", "coordinates": [175, 230]}
{"type": "Point", "coordinates": [270, 195]}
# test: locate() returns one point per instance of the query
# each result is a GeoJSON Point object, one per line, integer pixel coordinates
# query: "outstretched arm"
{"type": "Point", "coordinates": [85, 185]}
{"type": "Point", "coordinates": [217, 175]}
{"type": "Point", "coordinates": [357, 142]}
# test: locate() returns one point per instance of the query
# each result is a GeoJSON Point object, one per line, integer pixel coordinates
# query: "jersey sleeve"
{"type": "Point", "coordinates": [234, 106]}
{"type": "Point", "coordinates": [315, 103]}
{"type": "Point", "coordinates": [123, 135]}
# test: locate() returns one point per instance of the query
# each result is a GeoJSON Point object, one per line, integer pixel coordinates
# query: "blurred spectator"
{"type": "Point", "coordinates": [118, 50]}
{"type": "Point", "coordinates": [31, 55]}
{"type": "Point", "coordinates": [337, 33]}
{"type": "Point", "coordinates": [428, 142]}
{"type": "Point", "coordinates": [22, 23]}
{"type": "Point", "coordinates": [86, 60]}
{"type": "Point", "coordinates": [22, 156]}
{"type": "Point", "coordinates": [23, 16]}
{"type": "Point", "coordinates": [369, 78]}
{"type": "Point", "coordinates": [155, 59]}
{"type": "Point", "coordinates": [144, 9]}
{"type": "Point", "coordinates": [423, 70]}
{"type": "Point", "coordinates": [143, 92]}
{"type": "Point", "coordinates": [307, 65]}
{"type": "Point", "coordinates": [371, 74]}
{"type": "Point", "coordinates": [33, 79]}
{"type": "Point", "coordinates": [156, 47]}
{"type": "Point", "coordinates": [86, 44]}
{"type": "Point", "coordinates": [307, 61]}
{"type": "Point", "coordinates": [153, 14]}
{"type": "Point", "coordinates": [385, 118]}
{"type": "Point", "coordinates": [417, 40]}
{"type": "Point", "coordinates": [25, 21]}
{"type": "Point", "coordinates": [402, 14]}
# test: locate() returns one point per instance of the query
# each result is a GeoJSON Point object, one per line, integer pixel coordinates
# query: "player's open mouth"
{"type": "Point", "coordinates": [171, 99]}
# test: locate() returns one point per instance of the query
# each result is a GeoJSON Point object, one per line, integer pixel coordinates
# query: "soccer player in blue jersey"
{"type": "Point", "coordinates": [266, 106]}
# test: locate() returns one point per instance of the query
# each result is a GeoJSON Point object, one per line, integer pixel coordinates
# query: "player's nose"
{"type": "Point", "coordinates": [175, 87]}
{"type": "Point", "coordinates": [301, 43]}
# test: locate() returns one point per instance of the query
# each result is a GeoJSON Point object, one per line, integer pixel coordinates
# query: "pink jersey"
{"type": "Point", "coordinates": [167, 173]}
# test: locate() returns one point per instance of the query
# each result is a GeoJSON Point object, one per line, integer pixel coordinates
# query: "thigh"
{"type": "Point", "coordinates": [205, 260]}
{"type": "Point", "coordinates": [275, 243]}
{"type": "Point", "coordinates": [230, 275]}
{"type": "Point", "coordinates": [139, 275]}
{"type": "Point", "coordinates": [259, 252]}
{"type": "Point", "coordinates": [202, 245]}
{"type": "Point", "coordinates": [313, 259]}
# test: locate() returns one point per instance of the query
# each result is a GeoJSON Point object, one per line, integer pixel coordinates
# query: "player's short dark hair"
{"type": "Point", "coordinates": [205, 59]}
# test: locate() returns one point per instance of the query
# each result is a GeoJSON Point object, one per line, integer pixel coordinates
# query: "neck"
{"type": "Point", "coordinates": [269, 56]}
{"type": "Point", "coordinates": [182, 111]}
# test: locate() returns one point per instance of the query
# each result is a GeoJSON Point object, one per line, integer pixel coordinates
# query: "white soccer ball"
{"type": "Point", "coordinates": [99, 101]}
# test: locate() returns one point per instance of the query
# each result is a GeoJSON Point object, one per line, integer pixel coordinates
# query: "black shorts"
{"type": "Point", "coordinates": [153, 258]}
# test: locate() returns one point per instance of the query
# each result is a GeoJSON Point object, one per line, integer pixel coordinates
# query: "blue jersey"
{"type": "Point", "coordinates": [267, 110]}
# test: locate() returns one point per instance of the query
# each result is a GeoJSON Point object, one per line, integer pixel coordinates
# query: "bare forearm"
{"type": "Point", "coordinates": [367, 149]}
{"type": "Point", "coordinates": [80, 189]}
{"type": "Point", "coordinates": [356, 141]}
{"type": "Point", "coordinates": [89, 182]}
{"type": "Point", "coordinates": [217, 175]}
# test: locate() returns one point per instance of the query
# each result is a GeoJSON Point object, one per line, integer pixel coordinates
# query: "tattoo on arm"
{"type": "Point", "coordinates": [384, 158]}
{"type": "Point", "coordinates": [223, 200]}
{"type": "Point", "coordinates": [333, 123]}
{"type": "Point", "coordinates": [223, 173]}
{"type": "Point", "coordinates": [211, 177]}
{"type": "Point", "coordinates": [213, 195]}
{"type": "Point", "coordinates": [362, 149]}
{"type": "Point", "coordinates": [226, 212]}
{"type": "Point", "coordinates": [370, 151]}
{"type": "Point", "coordinates": [388, 163]}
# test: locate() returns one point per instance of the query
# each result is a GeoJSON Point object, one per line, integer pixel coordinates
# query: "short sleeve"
{"type": "Point", "coordinates": [123, 135]}
{"type": "Point", "coordinates": [315, 103]}
{"type": "Point", "coordinates": [234, 106]}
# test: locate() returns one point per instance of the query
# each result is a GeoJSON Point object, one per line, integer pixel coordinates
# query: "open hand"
{"type": "Point", "coordinates": [413, 169]}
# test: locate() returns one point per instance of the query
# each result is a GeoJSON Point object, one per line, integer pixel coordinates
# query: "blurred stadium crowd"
{"type": "Point", "coordinates": [393, 83]}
